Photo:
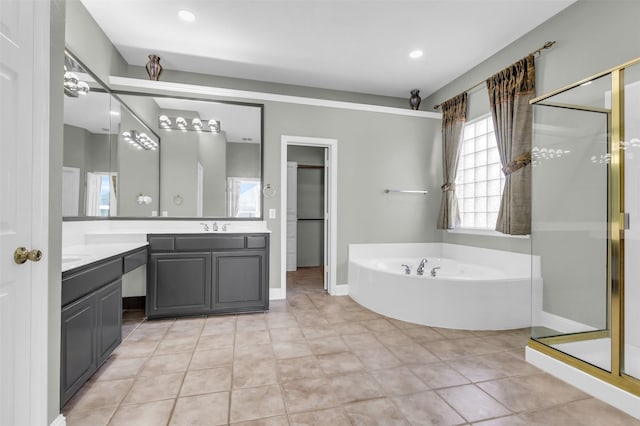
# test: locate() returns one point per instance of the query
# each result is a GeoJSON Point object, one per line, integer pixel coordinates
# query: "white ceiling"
{"type": "Point", "coordinates": [353, 45]}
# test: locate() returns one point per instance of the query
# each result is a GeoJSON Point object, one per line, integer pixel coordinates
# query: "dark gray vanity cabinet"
{"type": "Point", "coordinates": [91, 324]}
{"type": "Point", "coordinates": [179, 284]}
{"type": "Point", "coordinates": [195, 274]}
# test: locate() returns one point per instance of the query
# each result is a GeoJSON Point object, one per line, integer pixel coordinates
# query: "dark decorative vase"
{"type": "Point", "coordinates": [415, 99]}
{"type": "Point", "coordinates": [154, 69]}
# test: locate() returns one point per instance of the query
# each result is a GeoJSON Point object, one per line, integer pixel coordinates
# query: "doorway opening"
{"type": "Point", "coordinates": [308, 226]}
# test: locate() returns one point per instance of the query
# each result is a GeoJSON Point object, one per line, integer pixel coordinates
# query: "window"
{"type": "Point", "coordinates": [244, 197]}
{"type": "Point", "coordinates": [479, 180]}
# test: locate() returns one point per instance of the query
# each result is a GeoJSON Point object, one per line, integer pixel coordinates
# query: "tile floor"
{"type": "Point", "coordinates": [320, 360]}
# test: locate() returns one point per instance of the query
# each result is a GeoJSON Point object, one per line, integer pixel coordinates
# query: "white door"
{"type": "Point", "coordinates": [327, 217]}
{"type": "Point", "coordinates": [23, 166]}
{"type": "Point", "coordinates": [292, 216]}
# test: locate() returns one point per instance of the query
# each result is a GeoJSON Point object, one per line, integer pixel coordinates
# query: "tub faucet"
{"type": "Point", "coordinates": [205, 226]}
{"type": "Point", "coordinates": [420, 270]}
{"type": "Point", "coordinates": [433, 271]}
{"type": "Point", "coordinates": [407, 269]}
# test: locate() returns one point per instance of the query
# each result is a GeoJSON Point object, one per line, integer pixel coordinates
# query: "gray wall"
{"type": "Point", "coordinates": [591, 36]}
{"type": "Point", "coordinates": [310, 197]}
{"type": "Point", "coordinates": [243, 160]}
{"type": "Point", "coordinates": [75, 153]}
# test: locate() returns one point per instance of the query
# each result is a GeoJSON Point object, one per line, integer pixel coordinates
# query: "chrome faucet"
{"type": "Point", "coordinates": [225, 227]}
{"type": "Point", "coordinates": [420, 270]}
{"type": "Point", "coordinates": [215, 226]}
{"type": "Point", "coordinates": [433, 271]}
{"type": "Point", "coordinates": [407, 269]}
{"type": "Point", "coordinates": [206, 227]}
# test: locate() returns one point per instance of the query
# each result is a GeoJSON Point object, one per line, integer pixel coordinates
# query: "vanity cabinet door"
{"type": "Point", "coordinates": [240, 282]}
{"type": "Point", "coordinates": [179, 284]}
{"type": "Point", "coordinates": [109, 319]}
{"type": "Point", "coordinates": [78, 345]}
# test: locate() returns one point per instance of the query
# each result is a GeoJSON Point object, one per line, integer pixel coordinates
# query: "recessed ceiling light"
{"type": "Point", "coordinates": [415, 54]}
{"type": "Point", "coordinates": [186, 15]}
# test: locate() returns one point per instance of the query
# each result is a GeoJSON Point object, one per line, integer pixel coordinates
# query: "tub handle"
{"type": "Point", "coordinates": [433, 271]}
{"type": "Point", "coordinates": [407, 269]}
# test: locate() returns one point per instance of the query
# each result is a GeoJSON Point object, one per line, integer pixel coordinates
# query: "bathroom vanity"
{"type": "Point", "coordinates": [210, 273]}
{"type": "Point", "coordinates": [91, 318]}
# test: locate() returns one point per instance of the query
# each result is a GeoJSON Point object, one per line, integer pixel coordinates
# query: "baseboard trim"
{"type": "Point", "coordinates": [59, 421]}
{"type": "Point", "coordinates": [564, 325]}
{"type": "Point", "coordinates": [133, 302]}
{"type": "Point", "coordinates": [276, 294]}
{"type": "Point", "coordinates": [340, 290]}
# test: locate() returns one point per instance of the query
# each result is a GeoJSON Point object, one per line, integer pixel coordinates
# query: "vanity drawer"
{"type": "Point", "coordinates": [256, 242]}
{"type": "Point", "coordinates": [161, 243]}
{"type": "Point", "coordinates": [209, 242]}
{"type": "Point", "coordinates": [135, 260]}
{"type": "Point", "coordinates": [84, 281]}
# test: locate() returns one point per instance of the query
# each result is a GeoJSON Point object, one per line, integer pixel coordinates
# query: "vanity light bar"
{"type": "Point", "coordinates": [194, 125]}
{"type": "Point", "coordinates": [140, 140]}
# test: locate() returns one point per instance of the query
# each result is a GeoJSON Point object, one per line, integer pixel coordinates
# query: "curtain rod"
{"type": "Point", "coordinates": [547, 45]}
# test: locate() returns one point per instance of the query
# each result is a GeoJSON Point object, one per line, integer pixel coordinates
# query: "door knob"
{"type": "Point", "coordinates": [21, 255]}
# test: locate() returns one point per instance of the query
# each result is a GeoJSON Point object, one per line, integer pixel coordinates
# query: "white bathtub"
{"type": "Point", "coordinates": [475, 289]}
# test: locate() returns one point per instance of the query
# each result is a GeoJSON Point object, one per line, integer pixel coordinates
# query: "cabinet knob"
{"type": "Point", "coordinates": [22, 254]}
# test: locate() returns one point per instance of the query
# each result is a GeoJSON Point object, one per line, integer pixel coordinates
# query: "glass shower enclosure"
{"type": "Point", "coordinates": [586, 225]}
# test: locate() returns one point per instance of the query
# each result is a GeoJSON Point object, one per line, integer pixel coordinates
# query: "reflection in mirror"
{"type": "Point", "coordinates": [105, 170]}
{"type": "Point", "coordinates": [211, 156]}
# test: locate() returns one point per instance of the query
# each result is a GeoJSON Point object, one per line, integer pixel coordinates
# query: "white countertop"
{"type": "Point", "coordinates": [84, 254]}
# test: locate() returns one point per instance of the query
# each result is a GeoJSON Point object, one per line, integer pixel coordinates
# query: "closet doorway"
{"type": "Point", "coordinates": [308, 252]}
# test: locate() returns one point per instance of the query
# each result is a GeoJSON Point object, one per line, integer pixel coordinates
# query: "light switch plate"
{"type": "Point", "coordinates": [272, 213]}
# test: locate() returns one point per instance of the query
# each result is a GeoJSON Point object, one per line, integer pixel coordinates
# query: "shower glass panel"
{"type": "Point", "coordinates": [631, 353]}
{"type": "Point", "coordinates": [570, 221]}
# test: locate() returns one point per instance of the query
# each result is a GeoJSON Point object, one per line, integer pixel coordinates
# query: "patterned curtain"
{"type": "Point", "coordinates": [454, 114]}
{"type": "Point", "coordinates": [509, 93]}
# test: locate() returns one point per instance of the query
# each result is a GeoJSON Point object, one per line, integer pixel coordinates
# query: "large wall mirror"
{"type": "Point", "coordinates": [136, 155]}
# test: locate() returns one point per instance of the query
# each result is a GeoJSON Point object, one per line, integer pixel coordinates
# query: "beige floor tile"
{"type": "Point", "coordinates": [252, 337]}
{"type": "Point", "coordinates": [343, 362]}
{"type": "Point", "coordinates": [452, 349]}
{"type": "Point", "coordinates": [98, 394]}
{"type": "Point", "coordinates": [329, 417]}
{"type": "Point", "coordinates": [529, 393]}
{"type": "Point", "coordinates": [299, 368]}
{"type": "Point", "coordinates": [398, 381]}
{"type": "Point", "coordinates": [423, 334]}
{"type": "Point", "coordinates": [201, 410]}
{"type": "Point", "coordinates": [252, 324]}
{"type": "Point", "coordinates": [215, 341]}
{"type": "Point", "coordinates": [255, 352]}
{"type": "Point", "coordinates": [452, 333]}
{"type": "Point", "coordinates": [286, 334]}
{"type": "Point", "coordinates": [393, 337]}
{"type": "Point", "coordinates": [364, 315]}
{"type": "Point", "coordinates": [508, 421]}
{"type": "Point", "coordinates": [177, 344]}
{"type": "Point", "coordinates": [438, 375]}
{"type": "Point", "coordinates": [198, 382]}
{"type": "Point", "coordinates": [116, 368]}
{"type": "Point", "coordinates": [362, 342]}
{"type": "Point", "coordinates": [380, 412]}
{"type": "Point", "coordinates": [492, 366]}
{"type": "Point", "coordinates": [588, 411]}
{"type": "Point", "coordinates": [344, 328]}
{"type": "Point", "coordinates": [256, 403]}
{"type": "Point", "coordinates": [413, 354]}
{"type": "Point", "coordinates": [377, 358]}
{"type": "Point", "coordinates": [472, 403]}
{"type": "Point", "coordinates": [249, 373]}
{"type": "Point", "coordinates": [211, 358]}
{"type": "Point", "coordinates": [309, 394]}
{"type": "Point", "coordinates": [154, 388]}
{"type": "Point", "coordinates": [269, 421]}
{"type": "Point", "coordinates": [291, 349]}
{"type": "Point", "coordinates": [170, 363]}
{"type": "Point", "coordinates": [319, 332]}
{"type": "Point", "coordinates": [354, 387]}
{"type": "Point", "coordinates": [378, 325]}
{"type": "Point", "coordinates": [92, 417]}
{"type": "Point", "coordinates": [427, 408]}
{"type": "Point", "coordinates": [327, 345]}
{"type": "Point", "coordinates": [136, 349]}
{"type": "Point", "coordinates": [147, 414]}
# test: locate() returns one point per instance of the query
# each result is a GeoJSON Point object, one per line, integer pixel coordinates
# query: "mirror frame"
{"type": "Point", "coordinates": [115, 94]}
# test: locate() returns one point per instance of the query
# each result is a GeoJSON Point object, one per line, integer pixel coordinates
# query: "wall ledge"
{"type": "Point", "coordinates": [165, 87]}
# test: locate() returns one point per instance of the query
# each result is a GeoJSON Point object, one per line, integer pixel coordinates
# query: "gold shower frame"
{"type": "Point", "coordinates": [615, 242]}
